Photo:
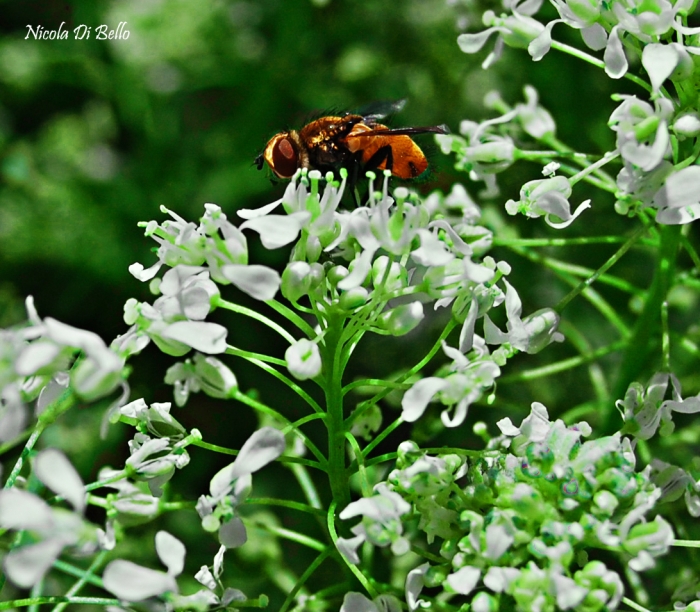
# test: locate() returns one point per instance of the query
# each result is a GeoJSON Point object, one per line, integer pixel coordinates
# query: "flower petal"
{"type": "Point", "coordinates": [171, 552]}
{"type": "Point", "coordinates": [417, 398]}
{"type": "Point", "coordinates": [54, 469]}
{"type": "Point", "coordinates": [209, 338]}
{"type": "Point", "coordinates": [257, 281]}
{"type": "Point", "coordinates": [26, 565]}
{"type": "Point", "coordinates": [132, 582]}
{"type": "Point", "coordinates": [614, 56]}
{"type": "Point", "coordinates": [659, 61]}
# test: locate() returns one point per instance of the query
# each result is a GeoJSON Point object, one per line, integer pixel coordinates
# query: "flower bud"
{"type": "Point", "coordinates": [336, 274]}
{"type": "Point", "coordinates": [94, 378]}
{"type": "Point", "coordinates": [303, 359]}
{"type": "Point", "coordinates": [354, 298]}
{"type": "Point", "coordinates": [500, 153]}
{"type": "Point", "coordinates": [687, 125]}
{"type": "Point", "coordinates": [402, 319]}
{"type": "Point", "coordinates": [541, 327]}
{"type": "Point", "coordinates": [522, 30]}
{"type": "Point", "coordinates": [295, 282]}
{"type": "Point", "coordinates": [586, 10]}
{"type": "Point", "coordinates": [393, 280]}
{"type": "Point", "coordinates": [215, 378]}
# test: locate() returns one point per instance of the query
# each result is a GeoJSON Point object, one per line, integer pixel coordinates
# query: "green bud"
{"type": "Point", "coordinates": [336, 274]}
{"type": "Point", "coordinates": [395, 278]}
{"type": "Point", "coordinates": [211, 523]}
{"type": "Point", "coordinates": [435, 576]}
{"type": "Point", "coordinates": [402, 319]}
{"type": "Point", "coordinates": [483, 602]}
{"type": "Point", "coordinates": [353, 298]}
{"type": "Point", "coordinates": [215, 378]}
{"type": "Point", "coordinates": [295, 280]}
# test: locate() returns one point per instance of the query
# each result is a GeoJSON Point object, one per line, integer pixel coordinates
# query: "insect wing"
{"type": "Point", "coordinates": [380, 110]}
{"type": "Point", "coordinates": [381, 147]}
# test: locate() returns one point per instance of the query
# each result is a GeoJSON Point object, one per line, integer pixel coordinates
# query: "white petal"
{"type": "Point", "coordinates": [680, 189]}
{"type": "Point", "coordinates": [498, 541]}
{"type": "Point", "coordinates": [414, 585]}
{"type": "Point", "coordinates": [614, 56]}
{"type": "Point", "coordinates": [218, 566]}
{"type": "Point", "coordinates": [507, 428]}
{"type": "Point", "coordinates": [26, 565]}
{"type": "Point", "coordinates": [471, 43]}
{"type": "Point", "coordinates": [348, 548]}
{"type": "Point", "coordinates": [595, 37]}
{"type": "Point", "coordinates": [68, 335]}
{"type": "Point", "coordinates": [659, 61]}
{"type": "Point", "coordinates": [464, 580]}
{"type": "Point", "coordinates": [137, 270]}
{"type": "Point", "coordinates": [540, 46]}
{"type": "Point", "coordinates": [498, 579]}
{"type": "Point", "coordinates": [432, 250]}
{"type": "Point", "coordinates": [277, 230]}
{"type": "Point", "coordinates": [205, 577]}
{"type": "Point", "coordinates": [54, 469]}
{"type": "Point", "coordinates": [560, 225]}
{"type": "Point", "coordinates": [360, 269]}
{"type": "Point", "coordinates": [678, 216]}
{"type": "Point", "coordinates": [257, 281]}
{"type": "Point", "coordinates": [171, 552]}
{"type": "Point", "coordinates": [209, 338]}
{"type": "Point", "coordinates": [24, 510]}
{"type": "Point", "coordinates": [264, 446]}
{"type": "Point", "coordinates": [569, 594]}
{"type": "Point", "coordinates": [357, 602]}
{"type": "Point", "coordinates": [232, 534]}
{"type": "Point", "coordinates": [36, 356]}
{"type": "Point", "coordinates": [251, 213]}
{"type": "Point", "coordinates": [132, 582]}
{"type": "Point", "coordinates": [417, 398]}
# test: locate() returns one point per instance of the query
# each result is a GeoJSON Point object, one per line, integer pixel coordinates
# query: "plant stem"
{"type": "Point", "coordinates": [331, 354]}
{"type": "Point", "coordinates": [636, 358]}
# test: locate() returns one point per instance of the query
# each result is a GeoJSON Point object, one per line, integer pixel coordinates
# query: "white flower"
{"type": "Point", "coordinates": [303, 359]}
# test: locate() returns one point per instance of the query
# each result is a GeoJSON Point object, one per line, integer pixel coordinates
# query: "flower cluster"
{"type": "Point", "coordinates": [40, 360]}
{"type": "Point", "coordinates": [400, 254]}
{"type": "Point", "coordinates": [658, 171]}
{"type": "Point", "coordinates": [512, 524]}
{"type": "Point", "coordinates": [45, 531]}
{"type": "Point", "coordinates": [200, 257]}
{"type": "Point", "coordinates": [232, 484]}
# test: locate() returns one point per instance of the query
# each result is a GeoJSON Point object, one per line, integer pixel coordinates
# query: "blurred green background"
{"type": "Point", "coordinates": [95, 135]}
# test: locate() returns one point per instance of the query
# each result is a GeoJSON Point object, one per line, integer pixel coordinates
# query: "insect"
{"type": "Point", "coordinates": [357, 142]}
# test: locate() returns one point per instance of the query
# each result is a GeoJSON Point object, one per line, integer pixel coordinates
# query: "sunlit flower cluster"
{"type": "Point", "coordinates": [513, 521]}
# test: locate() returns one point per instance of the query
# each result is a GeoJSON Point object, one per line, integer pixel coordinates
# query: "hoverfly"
{"type": "Point", "coordinates": [357, 142]}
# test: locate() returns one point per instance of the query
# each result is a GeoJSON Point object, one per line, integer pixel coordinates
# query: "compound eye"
{"type": "Point", "coordinates": [284, 158]}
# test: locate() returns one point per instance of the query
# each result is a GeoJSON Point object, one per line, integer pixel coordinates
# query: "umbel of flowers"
{"type": "Point", "coordinates": [516, 525]}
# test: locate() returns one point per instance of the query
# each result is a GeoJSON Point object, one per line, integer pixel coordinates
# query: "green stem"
{"type": "Point", "coordinates": [331, 352]}
{"type": "Point", "coordinates": [31, 601]}
{"type": "Point", "coordinates": [248, 312]}
{"type": "Point", "coordinates": [359, 458]}
{"type": "Point", "coordinates": [600, 271]}
{"type": "Point", "coordinates": [353, 568]}
{"type": "Point", "coordinates": [642, 344]}
{"type": "Point", "coordinates": [596, 62]}
{"type": "Point", "coordinates": [87, 575]}
{"type": "Point", "coordinates": [286, 534]}
{"type": "Point", "coordinates": [304, 577]}
{"type": "Point", "coordinates": [287, 381]}
{"type": "Point", "coordinates": [66, 401]}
